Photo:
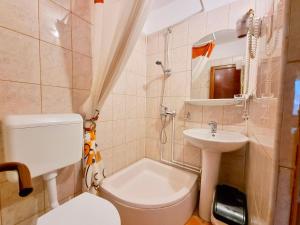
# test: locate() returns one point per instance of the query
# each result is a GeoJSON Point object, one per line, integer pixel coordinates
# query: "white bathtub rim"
{"type": "Point", "coordinates": [151, 203]}
{"type": "Point", "coordinates": [147, 207]}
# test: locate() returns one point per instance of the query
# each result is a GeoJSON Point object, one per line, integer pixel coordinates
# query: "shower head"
{"type": "Point", "coordinates": [166, 71]}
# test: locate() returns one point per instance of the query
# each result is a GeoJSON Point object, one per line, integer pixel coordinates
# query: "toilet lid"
{"type": "Point", "coordinates": [85, 209]}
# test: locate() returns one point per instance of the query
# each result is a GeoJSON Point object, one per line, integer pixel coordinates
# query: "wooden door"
{"type": "Point", "coordinates": [225, 82]}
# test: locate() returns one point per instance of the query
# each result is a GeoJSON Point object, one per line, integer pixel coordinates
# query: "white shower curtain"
{"type": "Point", "coordinates": [118, 25]}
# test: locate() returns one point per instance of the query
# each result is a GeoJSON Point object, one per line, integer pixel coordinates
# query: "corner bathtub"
{"type": "Point", "coordinates": [151, 193]}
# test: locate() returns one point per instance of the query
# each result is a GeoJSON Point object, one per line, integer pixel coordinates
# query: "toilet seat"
{"type": "Point", "coordinates": [85, 209]}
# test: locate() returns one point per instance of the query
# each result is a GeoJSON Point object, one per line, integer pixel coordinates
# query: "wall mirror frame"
{"type": "Point", "coordinates": [218, 69]}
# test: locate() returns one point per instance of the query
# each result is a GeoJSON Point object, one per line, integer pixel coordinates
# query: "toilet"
{"type": "Point", "coordinates": [85, 209]}
{"type": "Point", "coordinates": [47, 143]}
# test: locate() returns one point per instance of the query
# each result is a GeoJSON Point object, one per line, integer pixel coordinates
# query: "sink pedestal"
{"type": "Point", "coordinates": [209, 180]}
{"type": "Point", "coordinates": [212, 147]}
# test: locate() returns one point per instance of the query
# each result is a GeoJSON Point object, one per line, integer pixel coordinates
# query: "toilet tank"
{"type": "Point", "coordinates": [44, 142]}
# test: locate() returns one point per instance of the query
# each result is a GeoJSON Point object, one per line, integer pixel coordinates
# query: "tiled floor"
{"type": "Point", "coordinates": [195, 220]}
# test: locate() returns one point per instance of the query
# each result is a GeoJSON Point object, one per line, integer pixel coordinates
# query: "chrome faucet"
{"type": "Point", "coordinates": [164, 111]}
{"type": "Point", "coordinates": [213, 127]}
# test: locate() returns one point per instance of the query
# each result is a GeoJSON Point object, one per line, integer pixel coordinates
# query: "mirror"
{"type": "Point", "coordinates": [218, 61]}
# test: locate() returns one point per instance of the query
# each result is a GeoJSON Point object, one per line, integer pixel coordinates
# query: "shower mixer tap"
{"type": "Point", "coordinates": [166, 112]}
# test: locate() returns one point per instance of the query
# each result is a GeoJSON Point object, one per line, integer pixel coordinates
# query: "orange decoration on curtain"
{"type": "Point", "coordinates": [204, 50]}
{"type": "Point", "coordinates": [99, 1]}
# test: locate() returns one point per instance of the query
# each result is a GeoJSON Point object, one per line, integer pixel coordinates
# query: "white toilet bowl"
{"type": "Point", "coordinates": [85, 209]}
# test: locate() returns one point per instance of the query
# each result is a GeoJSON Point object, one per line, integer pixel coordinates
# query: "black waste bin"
{"type": "Point", "coordinates": [230, 205]}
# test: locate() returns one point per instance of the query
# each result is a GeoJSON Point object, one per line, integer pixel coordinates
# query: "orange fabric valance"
{"type": "Point", "coordinates": [204, 50]}
{"type": "Point", "coordinates": [99, 1]}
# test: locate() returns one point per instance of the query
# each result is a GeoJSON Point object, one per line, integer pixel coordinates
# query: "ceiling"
{"type": "Point", "coordinates": [166, 13]}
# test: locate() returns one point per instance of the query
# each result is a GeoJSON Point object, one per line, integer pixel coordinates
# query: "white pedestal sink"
{"type": "Point", "coordinates": [212, 148]}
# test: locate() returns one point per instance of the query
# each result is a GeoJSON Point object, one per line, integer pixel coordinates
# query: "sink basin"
{"type": "Point", "coordinates": [223, 141]}
{"type": "Point", "coordinates": [212, 147]}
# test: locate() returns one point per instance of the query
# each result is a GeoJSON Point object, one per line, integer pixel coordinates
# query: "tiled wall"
{"type": "Point", "coordinates": [121, 129]}
{"type": "Point", "coordinates": [178, 89]}
{"type": "Point", "coordinates": [45, 67]}
{"type": "Point", "coordinates": [264, 109]}
{"type": "Point", "coordinates": [265, 114]}
{"type": "Point", "coordinates": [290, 116]}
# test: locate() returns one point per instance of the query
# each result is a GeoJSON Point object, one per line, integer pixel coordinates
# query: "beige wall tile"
{"type": "Point", "coordinates": [131, 152]}
{"type": "Point", "coordinates": [131, 83]}
{"type": "Point", "coordinates": [153, 108]}
{"type": "Point", "coordinates": [83, 9]}
{"type": "Point", "coordinates": [15, 209]}
{"type": "Point", "coordinates": [15, 16]}
{"type": "Point", "coordinates": [191, 155]}
{"type": "Point", "coordinates": [108, 159]}
{"type": "Point", "coordinates": [176, 84]}
{"type": "Point", "coordinates": [19, 98]}
{"type": "Point", "coordinates": [65, 183]}
{"type": "Point", "coordinates": [82, 71]}
{"type": "Point", "coordinates": [119, 160]}
{"type": "Point", "coordinates": [55, 24]}
{"type": "Point", "coordinates": [119, 107]}
{"type": "Point", "coordinates": [131, 107]}
{"type": "Point", "coordinates": [106, 112]}
{"type": "Point", "coordinates": [233, 115]}
{"type": "Point", "coordinates": [284, 196]}
{"type": "Point", "coordinates": [78, 98]}
{"type": "Point", "coordinates": [197, 27]}
{"type": "Point", "coordinates": [179, 59]}
{"type": "Point", "coordinates": [195, 113]}
{"type": "Point", "coordinates": [105, 135]}
{"type": "Point", "coordinates": [153, 128]}
{"type": "Point", "coordinates": [131, 130]}
{"type": "Point", "coordinates": [152, 44]}
{"type": "Point", "coordinates": [153, 86]}
{"type": "Point", "coordinates": [212, 113]}
{"type": "Point", "coordinates": [180, 35]}
{"type": "Point", "coordinates": [141, 86]}
{"type": "Point", "coordinates": [56, 100]}
{"type": "Point", "coordinates": [19, 59]}
{"type": "Point", "coordinates": [120, 85]}
{"type": "Point", "coordinates": [152, 148]}
{"type": "Point", "coordinates": [232, 170]}
{"type": "Point", "coordinates": [140, 107]}
{"type": "Point", "coordinates": [64, 3]}
{"type": "Point", "coordinates": [118, 132]}
{"type": "Point", "coordinates": [78, 176]}
{"type": "Point", "coordinates": [141, 148]}
{"type": "Point", "coordinates": [56, 66]}
{"type": "Point", "coordinates": [152, 68]}
{"type": "Point", "coordinates": [81, 36]}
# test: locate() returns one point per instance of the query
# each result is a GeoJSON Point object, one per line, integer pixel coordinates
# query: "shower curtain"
{"type": "Point", "coordinates": [118, 25]}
